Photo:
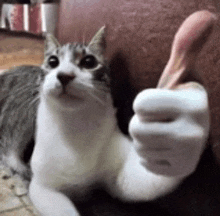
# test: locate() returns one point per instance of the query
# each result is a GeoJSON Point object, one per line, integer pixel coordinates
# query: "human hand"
{"type": "Point", "coordinates": [171, 123]}
{"type": "Point", "coordinates": [170, 128]}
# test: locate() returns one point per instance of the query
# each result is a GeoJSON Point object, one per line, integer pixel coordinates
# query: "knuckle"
{"type": "Point", "coordinates": [154, 101]}
{"type": "Point", "coordinates": [150, 132]}
{"type": "Point", "coordinates": [190, 133]}
{"type": "Point", "coordinates": [135, 126]}
{"type": "Point", "coordinates": [194, 100]}
{"type": "Point", "coordinates": [157, 105]}
{"type": "Point", "coordinates": [150, 98]}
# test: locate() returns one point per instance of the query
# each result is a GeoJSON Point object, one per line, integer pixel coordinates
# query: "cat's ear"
{"type": "Point", "coordinates": [50, 43]}
{"type": "Point", "coordinates": [97, 44]}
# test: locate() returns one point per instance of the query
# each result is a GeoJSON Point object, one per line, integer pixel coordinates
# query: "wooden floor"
{"type": "Point", "coordinates": [20, 49]}
{"type": "Point", "coordinates": [14, 200]}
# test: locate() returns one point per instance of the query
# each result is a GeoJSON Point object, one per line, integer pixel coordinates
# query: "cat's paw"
{"type": "Point", "coordinates": [170, 129]}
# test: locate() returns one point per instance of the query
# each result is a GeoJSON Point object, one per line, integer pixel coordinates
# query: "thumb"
{"type": "Point", "coordinates": [187, 44]}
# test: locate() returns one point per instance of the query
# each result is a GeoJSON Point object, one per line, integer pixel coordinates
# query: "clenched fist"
{"type": "Point", "coordinates": [170, 129]}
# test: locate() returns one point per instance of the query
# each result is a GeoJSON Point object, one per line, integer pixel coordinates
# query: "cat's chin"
{"type": "Point", "coordinates": [67, 97]}
{"type": "Point", "coordinates": [63, 100]}
{"type": "Point", "coordinates": [69, 102]}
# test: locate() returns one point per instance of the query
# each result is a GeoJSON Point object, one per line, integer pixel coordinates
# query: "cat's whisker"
{"type": "Point", "coordinates": [86, 84]}
{"type": "Point", "coordinates": [30, 102]}
{"type": "Point", "coordinates": [23, 89]}
{"type": "Point", "coordinates": [97, 98]}
{"type": "Point", "coordinates": [100, 86]}
{"type": "Point", "coordinates": [94, 88]}
{"type": "Point", "coordinates": [84, 37]}
{"type": "Point", "coordinates": [34, 102]}
{"type": "Point", "coordinates": [83, 42]}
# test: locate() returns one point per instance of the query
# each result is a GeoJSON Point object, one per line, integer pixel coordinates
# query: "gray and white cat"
{"type": "Point", "coordinates": [78, 143]}
{"type": "Point", "coordinates": [19, 98]}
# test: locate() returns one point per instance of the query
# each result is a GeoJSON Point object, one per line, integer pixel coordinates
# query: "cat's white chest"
{"type": "Point", "coordinates": [72, 153]}
{"type": "Point", "coordinates": [60, 166]}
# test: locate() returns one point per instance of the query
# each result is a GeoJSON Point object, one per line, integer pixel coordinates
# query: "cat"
{"type": "Point", "coordinates": [18, 104]}
{"type": "Point", "coordinates": [19, 99]}
{"type": "Point", "coordinates": [78, 143]}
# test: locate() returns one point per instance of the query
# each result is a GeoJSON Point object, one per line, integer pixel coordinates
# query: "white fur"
{"type": "Point", "coordinates": [78, 144]}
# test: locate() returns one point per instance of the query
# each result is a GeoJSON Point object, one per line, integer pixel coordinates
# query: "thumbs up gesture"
{"type": "Point", "coordinates": [170, 126]}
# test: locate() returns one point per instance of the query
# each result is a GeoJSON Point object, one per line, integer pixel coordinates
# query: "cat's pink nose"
{"type": "Point", "coordinates": [65, 78]}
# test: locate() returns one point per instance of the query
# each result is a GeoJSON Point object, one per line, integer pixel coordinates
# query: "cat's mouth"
{"type": "Point", "coordinates": [66, 96]}
{"type": "Point", "coordinates": [68, 101]}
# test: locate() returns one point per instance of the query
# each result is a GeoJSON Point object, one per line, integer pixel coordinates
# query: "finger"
{"type": "Point", "coordinates": [156, 105]}
{"type": "Point", "coordinates": [165, 136]}
{"type": "Point", "coordinates": [188, 42]}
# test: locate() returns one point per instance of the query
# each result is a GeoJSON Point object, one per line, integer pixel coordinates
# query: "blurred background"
{"type": "Point", "coordinates": [22, 24]}
{"type": "Point", "coordinates": [29, 15]}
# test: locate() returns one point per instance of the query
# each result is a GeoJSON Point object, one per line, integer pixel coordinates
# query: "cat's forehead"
{"type": "Point", "coordinates": [76, 50]}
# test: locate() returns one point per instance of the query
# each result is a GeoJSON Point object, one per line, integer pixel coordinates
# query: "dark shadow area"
{"type": "Point", "coordinates": [199, 194]}
{"type": "Point", "coordinates": [28, 151]}
{"type": "Point", "coordinates": [123, 92]}
{"type": "Point", "coordinates": [101, 204]}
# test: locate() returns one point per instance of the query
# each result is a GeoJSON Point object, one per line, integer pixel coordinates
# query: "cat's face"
{"type": "Point", "coordinates": [76, 74]}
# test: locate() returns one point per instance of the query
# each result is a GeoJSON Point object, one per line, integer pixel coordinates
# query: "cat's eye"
{"type": "Point", "coordinates": [53, 61]}
{"type": "Point", "coordinates": [88, 62]}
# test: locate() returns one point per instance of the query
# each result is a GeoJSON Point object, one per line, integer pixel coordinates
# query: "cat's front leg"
{"type": "Point", "coordinates": [50, 202]}
{"type": "Point", "coordinates": [136, 183]}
